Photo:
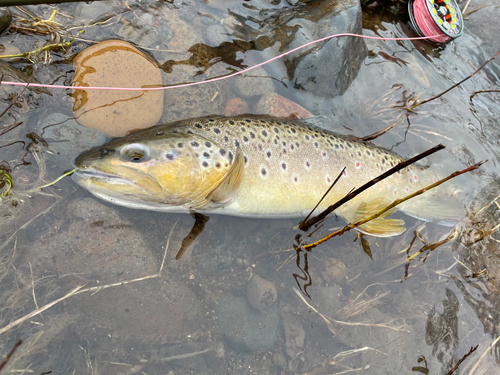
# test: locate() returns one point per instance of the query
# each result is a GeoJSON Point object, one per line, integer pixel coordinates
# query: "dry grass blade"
{"type": "Point", "coordinates": [390, 206]}
{"type": "Point", "coordinates": [492, 345]}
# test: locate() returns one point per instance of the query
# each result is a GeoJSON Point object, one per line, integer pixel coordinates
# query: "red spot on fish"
{"type": "Point", "coordinates": [434, 179]}
{"type": "Point", "coordinates": [407, 189]}
{"type": "Point", "coordinates": [344, 173]}
{"type": "Point", "coordinates": [328, 179]}
{"type": "Point", "coordinates": [395, 191]}
{"type": "Point", "coordinates": [357, 164]}
{"type": "Point", "coordinates": [415, 177]}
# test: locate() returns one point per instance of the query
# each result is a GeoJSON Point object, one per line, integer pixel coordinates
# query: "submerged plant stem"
{"type": "Point", "coordinates": [390, 206]}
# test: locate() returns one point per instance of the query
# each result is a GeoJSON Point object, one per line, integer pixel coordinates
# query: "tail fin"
{"type": "Point", "coordinates": [445, 210]}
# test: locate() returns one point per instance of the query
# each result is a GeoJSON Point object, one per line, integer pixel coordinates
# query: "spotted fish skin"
{"type": "Point", "coordinates": [276, 168]}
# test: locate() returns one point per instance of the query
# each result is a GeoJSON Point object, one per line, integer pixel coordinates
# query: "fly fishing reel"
{"type": "Point", "coordinates": [440, 20]}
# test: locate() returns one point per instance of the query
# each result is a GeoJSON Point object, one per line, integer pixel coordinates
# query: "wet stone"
{"type": "Point", "coordinates": [94, 10]}
{"type": "Point", "coordinates": [115, 63]}
{"type": "Point", "coordinates": [66, 137]}
{"type": "Point", "coordinates": [330, 69]}
{"type": "Point", "coordinates": [261, 293]}
{"type": "Point", "coordinates": [246, 329]}
{"type": "Point", "coordinates": [216, 35]}
{"type": "Point", "coordinates": [5, 19]}
{"type": "Point", "coordinates": [257, 83]}
{"type": "Point", "coordinates": [294, 332]}
{"type": "Point", "coordinates": [276, 105]}
{"type": "Point", "coordinates": [236, 106]}
{"type": "Point", "coordinates": [335, 270]}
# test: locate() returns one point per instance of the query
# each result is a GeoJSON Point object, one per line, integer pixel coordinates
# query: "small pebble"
{"type": "Point", "coordinates": [235, 107]}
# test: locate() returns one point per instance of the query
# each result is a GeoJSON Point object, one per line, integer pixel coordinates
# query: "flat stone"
{"type": "Point", "coordinates": [236, 106]}
{"type": "Point", "coordinates": [115, 63]}
{"type": "Point", "coordinates": [261, 293]}
{"type": "Point", "coordinates": [278, 106]}
{"type": "Point", "coordinates": [255, 83]}
{"type": "Point", "coordinates": [246, 329]}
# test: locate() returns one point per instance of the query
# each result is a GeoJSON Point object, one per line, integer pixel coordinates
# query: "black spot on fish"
{"type": "Point", "coordinates": [169, 156]}
{"type": "Point", "coordinates": [359, 153]}
{"type": "Point", "coordinates": [337, 146]}
{"type": "Point", "coordinates": [279, 123]}
{"type": "Point", "coordinates": [231, 122]}
{"type": "Point", "coordinates": [284, 150]}
{"type": "Point", "coordinates": [284, 143]}
{"type": "Point", "coordinates": [342, 147]}
{"type": "Point", "coordinates": [292, 147]}
{"type": "Point", "coordinates": [341, 141]}
{"type": "Point", "coordinates": [230, 155]}
{"type": "Point", "coordinates": [208, 144]}
{"type": "Point", "coordinates": [180, 144]}
{"type": "Point", "coordinates": [211, 120]}
{"type": "Point", "coordinates": [322, 135]}
{"type": "Point", "coordinates": [260, 147]}
{"type": "Point", "coordinates": [293, 131]}
{"type": "Point", "coordinates": [217, 165]}
{"type": "Point", "coordinates": [248, 120]}
{"type": "Point", "coordinates": [205, 164]}
{"type": "Point", "coordinates": [243, 130]}
{"type": "Point", "coordinates": [297, 144]}
{"type": "Point", "coordinates": [383, 161]}
{"type": "Point", "coordinates": [198, 126]}
{"type": "Point", "coordinates": [392, 164]}
{"type": "Point", "coordinates": [252, 135]}
{"type": "Point", "coordinates": [206, 154]}
{"type": "Point", "coordinates": [226, 139]}
{"type": "Point", "coordinates": [246, 159]}
{"type": "Point", "coordinates": [217, 130]}
{"type": "Point", "coordinates": [283, 165]}
{"type": "Point", "coordinates": [323, 154]}
{"type": "Point", "coordinates": [277, 137]}
{"type": "Point", "coordinates": [263, 171]}
{"type": "Point", "coordinates": [316, 144]}
{"type": "Point", "coordinates": [378, 152]}
{"type": "Point", "coordinates": [276, 130]}
{"type": "Point", "coordinates": [295, 179]}
{"type": "Point", "coordinates": [268, 154]}
{"type": "Point", "coordinates": [308, 164]}
{"type": "Point", "coordinates": [349, 145]}
{"type": "Point", "coordinates": [275, 142]}
{"type": "Point", "coordinates": [245, 139]}
{"type": "Point", "coordinates": [236, 143]}
{"type": "Point", "coordinates": [242, 123]}
{"type": "Point", "coordinates": [264, 133]}
{"type": "Point", "coordinates": [222, 152]}
{"type": "Point", "coordinates": [194, 144]}
{"type": "Point", "coordinates": [368, 152]}
{"type": "Point", "coordinates": [306, 137]}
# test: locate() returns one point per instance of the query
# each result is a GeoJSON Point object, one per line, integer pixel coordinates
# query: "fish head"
{"type": "Point", "coordinates": [157, 170]}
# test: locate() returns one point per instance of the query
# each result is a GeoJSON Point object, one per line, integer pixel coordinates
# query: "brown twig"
{"type": "Point", "coordinates": [11, 353]}
{"type": "Point", "coordinates": [348, 197]}
{"type": "Point", "coordinates": [472, 350]}
{"type": "Point", "coordinates": [390, 206]}
{"type": "Point", "coordinates": [457, 84]}
{"type": "Point", "coordinates": [380, 132]}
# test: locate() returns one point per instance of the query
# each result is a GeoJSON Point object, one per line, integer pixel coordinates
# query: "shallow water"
{"type": "Point", "coordinates": [375, 314]}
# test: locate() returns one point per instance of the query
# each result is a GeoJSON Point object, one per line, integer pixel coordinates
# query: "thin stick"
{"type": "Point", "coordinates": [303, 224]}
{"type": "Point", "coordinates": [472, 350]}
{"type": "Point", "coordinates": [182, 356]}
{"type": "Point", "coordinates": [482, 356]}
{"type": "Point", "coordinates": [26, 55]}
{"type": "Point", "coordinates": [7, 358]}
{"type": "Point", "coordinates": [370, 183]}
{"type": "Point", "coordinates": [456, 84]}
{"type": "Point", "coordinates": [390, 206]}
{"type": "Point", "coordinates": [466, 6]}
{"type": "Point", "coordinates": [380, 132]}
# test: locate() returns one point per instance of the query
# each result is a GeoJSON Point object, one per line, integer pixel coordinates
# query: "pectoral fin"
{"type": "Point", "coordinates": [222, 193]}
{"type": "Point", "coordinates": [379, 227]}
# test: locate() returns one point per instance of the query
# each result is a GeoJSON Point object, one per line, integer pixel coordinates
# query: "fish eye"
{"type": "Point", "coordinates": [135, 153]}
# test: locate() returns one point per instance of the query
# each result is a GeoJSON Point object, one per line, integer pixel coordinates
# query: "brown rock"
{"type": "Point", "coordinates": [115, 63]}
{"type": "Point", "coordinates": [235, 107]}
{"type": "Point", "coordinates": [335, 270]}
{"type": "Point", "coordinates": [261, 293]}
{"type": "Point", "coordinates": [276, 105]}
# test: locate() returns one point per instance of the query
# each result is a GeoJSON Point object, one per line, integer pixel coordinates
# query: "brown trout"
{"type": "Point", "coordinates": [256, 166]}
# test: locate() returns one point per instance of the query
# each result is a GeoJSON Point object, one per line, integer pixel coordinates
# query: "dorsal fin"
{"type": "Point", "coordinates": [222, 192]}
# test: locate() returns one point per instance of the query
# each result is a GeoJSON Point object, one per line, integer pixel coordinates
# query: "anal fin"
{"type": "Point", "coordinates": [379, 227]}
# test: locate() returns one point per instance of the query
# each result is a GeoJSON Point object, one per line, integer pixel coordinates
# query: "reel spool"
{"type": "Point", "coordinates": [439, 19]}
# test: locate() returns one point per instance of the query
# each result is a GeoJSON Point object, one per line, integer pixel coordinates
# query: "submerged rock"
{"type": "Point", "coordinates": [276, 105]}
{"type": "Point", "coordinates": [5, 19]}
{"type": "Point", "coordinates": [261, 293]}
{"type": "Point", "coordinates": [246, 329]}
{"type": "Point", "coordinates": [115, 63]}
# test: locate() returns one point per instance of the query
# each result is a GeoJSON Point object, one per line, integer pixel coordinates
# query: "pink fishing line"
{"type": "Point", "coordinates": [426, 24]}
{"type": "Point", "coordinates": [212, 79]}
